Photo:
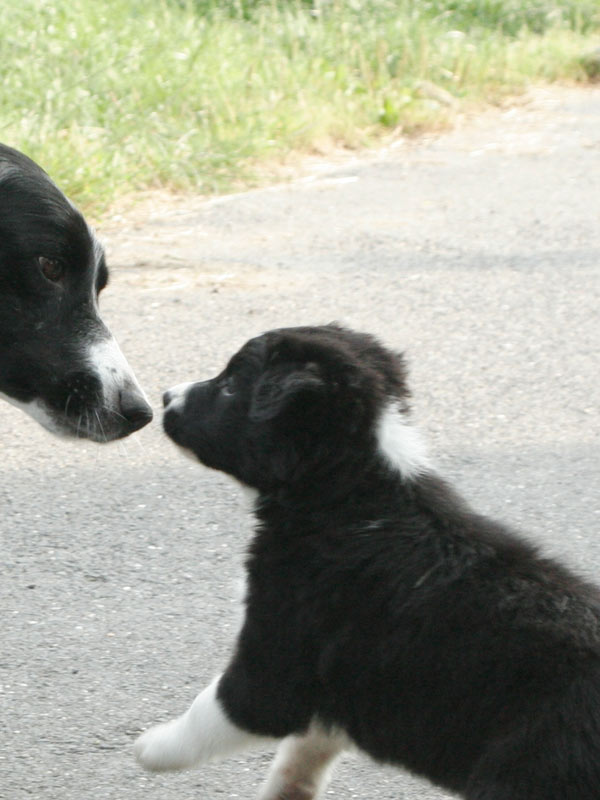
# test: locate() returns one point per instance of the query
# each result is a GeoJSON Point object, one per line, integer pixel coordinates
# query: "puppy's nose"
{"type": "Point", "coordinates": [167, 397]}
{"type": "Point", "coordinates": [135, 409]}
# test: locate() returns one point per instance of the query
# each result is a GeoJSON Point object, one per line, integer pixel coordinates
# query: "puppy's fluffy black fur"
{"type": "Point", "coordinates": [378, 602]}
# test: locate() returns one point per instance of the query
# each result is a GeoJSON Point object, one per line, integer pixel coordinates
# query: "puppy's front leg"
{"type": "Point", "coordinates": [302, 767]}
{"type": "Point", "coordinates": [202, 734]}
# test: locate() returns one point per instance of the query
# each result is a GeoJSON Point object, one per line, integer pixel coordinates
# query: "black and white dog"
{"type": "Point", "coordinates": [381, 611]}
{"type": "Point", "coordinates": [58, 361]}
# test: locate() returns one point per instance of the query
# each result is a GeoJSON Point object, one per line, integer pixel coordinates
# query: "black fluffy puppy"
{"type": "Point", "coordinates": [381, 611]}
{"type": "Point", "coordinates": [58, 361]}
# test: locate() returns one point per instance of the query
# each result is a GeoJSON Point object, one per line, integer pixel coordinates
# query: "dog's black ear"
{"type": "Point", "coordinates": [278, 387]}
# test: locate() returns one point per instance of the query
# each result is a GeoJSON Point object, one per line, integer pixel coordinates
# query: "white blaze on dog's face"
{"type": "Point", "coordinates": [58, 361]}
{"type": "Point", "coordinates": [297, 408]}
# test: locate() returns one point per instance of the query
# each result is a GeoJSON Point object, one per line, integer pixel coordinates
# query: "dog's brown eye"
{"type": "Point", "coordinates": [51, 270]}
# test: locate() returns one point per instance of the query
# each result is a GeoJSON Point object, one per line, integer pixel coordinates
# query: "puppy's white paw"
{"type": "Point", "coordinates": [163, 748]}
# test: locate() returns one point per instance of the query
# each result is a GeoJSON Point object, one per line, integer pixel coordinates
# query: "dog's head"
{"type": "Point", "coordinates": [299, 406]}
{"type": "Point", "coordinates": [58, 360]}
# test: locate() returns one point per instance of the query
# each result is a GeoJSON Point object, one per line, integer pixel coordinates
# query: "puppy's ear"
{"type": "Point", "coordinates": [278, 387]}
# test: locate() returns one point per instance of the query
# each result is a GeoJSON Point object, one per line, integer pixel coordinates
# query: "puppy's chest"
{"type": "Point", "coordinates": [309, 574]}
{"type": "Point", "coordinates": [290, 570]}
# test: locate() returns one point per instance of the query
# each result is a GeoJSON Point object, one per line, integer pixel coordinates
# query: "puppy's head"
{"type": "Point", "coordinates": [58, 361]}
{"type": "Point", "coordinates": [299, 406]}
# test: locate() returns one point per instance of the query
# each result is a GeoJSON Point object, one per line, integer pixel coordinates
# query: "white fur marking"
{"type": "Point", "coordinates": [303, 765]}
{"type": "Point", "coordinates": [177, 396]}
{"type": "Point", "coordinates": [98, 251]}
{"type": "Point", "coordinates": [96, 246]}
{"type": "Point", "coordinates": [202, 734]}
{"type": "Point", "coordinates": [249, 496]}
{"type": "Point", "coordinates": [37, 410]}
{"type": "Point", "coordinates": [401, 444]}
{"type": "Point", "coordinates": [115, 374]}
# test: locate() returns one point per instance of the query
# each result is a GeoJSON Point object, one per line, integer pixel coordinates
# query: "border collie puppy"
{"type": "Point", "coordinates": [58, 361]}
{"type": "Point", "coordinates": [381, 611]}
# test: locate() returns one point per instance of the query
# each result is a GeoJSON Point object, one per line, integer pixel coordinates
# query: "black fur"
{"type": "Point", "coordinates": [47, 324]}
{"type": "Point", "coordinates": [382, 605]}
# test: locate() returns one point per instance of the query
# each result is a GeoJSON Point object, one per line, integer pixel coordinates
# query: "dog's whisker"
{"type": "Point", "coordinates": [114, 413]}
{"type": "Point", "coordinates": [100, 426]}
{"type": "Point", "coordinates": [140, 444]}
{"type": "Point", "coordinates": [123, 447]}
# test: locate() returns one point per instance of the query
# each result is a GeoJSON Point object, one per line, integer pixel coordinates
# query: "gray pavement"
{"type": "Point", "coordinates": [477, 252]}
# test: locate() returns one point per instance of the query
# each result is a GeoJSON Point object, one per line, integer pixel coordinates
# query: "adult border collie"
{"type": "Point", "coordinates": [381, 611]}
{"type": "Point", "coordinates": [58, 361]}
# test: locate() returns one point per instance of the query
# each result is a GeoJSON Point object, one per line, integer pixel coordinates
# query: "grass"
{"type": "Point", "coordinates": [121, 96]}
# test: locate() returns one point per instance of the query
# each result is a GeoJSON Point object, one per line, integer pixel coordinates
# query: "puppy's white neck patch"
{"type": "Point", "coordinates": [401, 444]}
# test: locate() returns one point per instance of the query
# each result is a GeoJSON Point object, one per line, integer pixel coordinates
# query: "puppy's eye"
{"type": "Point", "coordinates": [51, 270]}
{"type": "Point", "coordinates": [228, 386]}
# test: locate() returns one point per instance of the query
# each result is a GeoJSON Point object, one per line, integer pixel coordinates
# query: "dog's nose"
{"type": "Point", "coordinates": [167, 397]}
{"type": "Point", "coordinates": [135, 409]}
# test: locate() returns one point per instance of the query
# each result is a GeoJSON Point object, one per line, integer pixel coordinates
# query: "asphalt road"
{"type": "Point", "coordinates": [477, 252]}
